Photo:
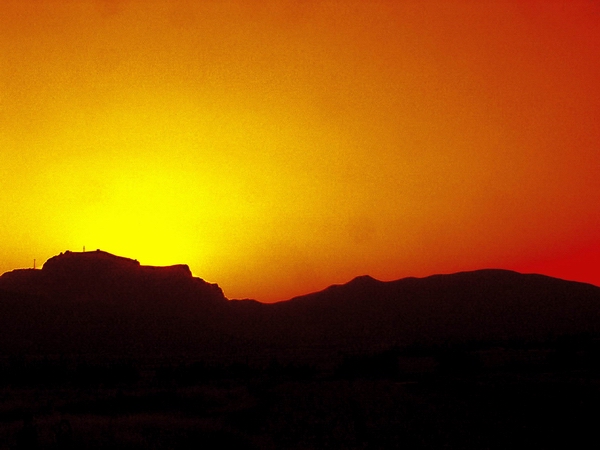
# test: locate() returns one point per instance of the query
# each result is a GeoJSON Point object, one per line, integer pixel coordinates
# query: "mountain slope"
{"type": "Point", "coordinates": [480, 305]}
{"type": "Point", "coordinates": [97, 303]}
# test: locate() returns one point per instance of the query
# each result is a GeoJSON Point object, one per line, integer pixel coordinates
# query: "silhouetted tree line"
{"type": "Point", "coordinates": [563, 353]}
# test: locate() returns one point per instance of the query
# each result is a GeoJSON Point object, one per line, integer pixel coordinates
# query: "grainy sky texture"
{"type": "Point", "coordinates": [279, 147]}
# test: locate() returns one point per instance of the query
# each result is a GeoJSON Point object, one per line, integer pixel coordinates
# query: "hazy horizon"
{"type": "Point", "coordinates": [280, 147]}
{"type": "Point", "coordinates": [39, 266]}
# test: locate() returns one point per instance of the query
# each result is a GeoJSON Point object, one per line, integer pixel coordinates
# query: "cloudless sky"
{"type": "Point", "coordinates": [278, 147]}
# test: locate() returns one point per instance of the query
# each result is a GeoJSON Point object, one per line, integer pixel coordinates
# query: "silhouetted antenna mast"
{"type": "Point", "coordinates": [84, 249]}
{"type": "Point", "coordinates": [34, 263]}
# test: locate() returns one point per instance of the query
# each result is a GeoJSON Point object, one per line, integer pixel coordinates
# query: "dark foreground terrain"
{"type": "Point", "coordinates": [99, 352]}
{"type": "Point", "coordinates": [502, 397]}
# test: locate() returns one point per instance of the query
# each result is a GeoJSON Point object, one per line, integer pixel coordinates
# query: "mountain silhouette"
{"type": "Point", "coordinates": [105, 278]}
{"type": "Point", "coordinates": [102, 304]}
{"type": "Point", "coordinates": [99, 303]}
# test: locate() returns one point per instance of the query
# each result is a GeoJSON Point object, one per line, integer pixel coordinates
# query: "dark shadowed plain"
{"type": "Point", "coordinates": [98, 351]}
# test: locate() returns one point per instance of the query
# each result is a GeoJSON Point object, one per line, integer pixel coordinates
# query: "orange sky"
{"type": "Point", "coordinates": [279, 147]}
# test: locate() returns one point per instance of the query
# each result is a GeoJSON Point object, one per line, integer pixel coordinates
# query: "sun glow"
{"type": "Point", "coordinates": [282, 147]}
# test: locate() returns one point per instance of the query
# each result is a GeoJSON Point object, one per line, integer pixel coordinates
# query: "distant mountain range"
{"type": "Point", "coordinates": [96, 303]}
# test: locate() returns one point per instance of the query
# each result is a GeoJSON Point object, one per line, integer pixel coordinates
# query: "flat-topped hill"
{"type": "Point", "coordinates": [96, 302]}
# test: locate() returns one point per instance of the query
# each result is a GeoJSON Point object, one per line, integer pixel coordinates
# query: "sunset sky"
{"type": "Point", "coordinates": [278, 147]}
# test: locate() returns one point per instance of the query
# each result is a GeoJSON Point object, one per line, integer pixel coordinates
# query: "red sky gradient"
{"type": "Point", "coordinates": [278, 147]}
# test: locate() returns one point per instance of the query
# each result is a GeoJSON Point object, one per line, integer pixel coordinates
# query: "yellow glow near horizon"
{"type": "Point", "coordinates": [279, 147]}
